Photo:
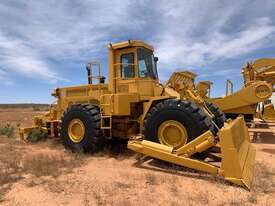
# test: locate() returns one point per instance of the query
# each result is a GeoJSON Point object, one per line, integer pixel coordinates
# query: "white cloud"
{"type": "Point", "coordinates": [196, 33]}
{"type": "Point", "coordinates": [188, 52]}
{"type": "Point", "coordinates": [36, 34]}
{"type": "Point", "coordinates": [16, 57]}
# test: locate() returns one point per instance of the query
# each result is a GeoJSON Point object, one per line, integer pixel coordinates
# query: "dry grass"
{"type": "Point", "coordinates": [10, 169]}
{"type": "Point", "coordinates": [151, 179]}
{"type": "Point", "coordinates": [10, 165]}
{"type": "Point", "coordinates": [102, 194]}
{"type": "Point", "coordinates": [263, 179]}
{"type": "Point", "coordinates": [174, 189]}
{"type": "Point", "coordinates": [100, 200]}
{"type": "Point", "coordinates": [201, 198]}
{"type": "Point", "coordinates": [15, 163]}
{"type": "Point", "coordinates": [236, 202]}
{"type": "Point", "coordinates": [121, 202]}
{"type": "Point", "coordinates": [252, 198]}
{"type": "Point", "coordinates": [121, 185]}
{"type": "Point", "coordinates": [106, 195]}
{"type": "Point", "coordinates": [86, 201]}
{"type": "Point", "coordinates": [50, 165]}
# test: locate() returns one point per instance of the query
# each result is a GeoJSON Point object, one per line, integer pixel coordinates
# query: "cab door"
{"type": "Point", "coordinates": [126, 70]}
{"type": "Point", "coordinates": [147, 79]}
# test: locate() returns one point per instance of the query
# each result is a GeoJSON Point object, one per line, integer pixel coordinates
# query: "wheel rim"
{"type": "Point", "coordinates": [172, 133]}
{"type": "Point", "coordinates": [76, 130]}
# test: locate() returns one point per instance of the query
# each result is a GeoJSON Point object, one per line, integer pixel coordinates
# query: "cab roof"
{"type": "Point", "coordinates": [130, 43]}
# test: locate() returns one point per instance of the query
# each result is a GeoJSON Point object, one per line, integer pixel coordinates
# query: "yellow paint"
{"type": "Point", "coordinates": [76, 130]}
{"type": "Point", "coordinates": [242, 100]}
{"type": "Point", "coordinates": [125, 101]}
{"type": "Point", "coordinates": [268, 113]}
{"type": "Point", "coordinates": [259, 81]}
{"type": "Point", "coordinates": [237, 153]}
{"type": "Point", "coordinates": [172, 133]}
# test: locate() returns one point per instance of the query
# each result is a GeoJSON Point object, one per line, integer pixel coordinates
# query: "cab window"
{"type": "Point", "coordinates": [127, 65]}
{"type": "Point", "coordinates": [146, 64]}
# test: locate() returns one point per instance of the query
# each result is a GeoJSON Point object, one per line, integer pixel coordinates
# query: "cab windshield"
{"type": "Point", "coordinates": [146, 64]}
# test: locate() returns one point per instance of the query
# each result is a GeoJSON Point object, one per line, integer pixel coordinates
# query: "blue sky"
{"type": "Point", "coordinates": [45, 44]}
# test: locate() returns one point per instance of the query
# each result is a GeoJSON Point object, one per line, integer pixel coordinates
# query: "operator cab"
{"type": "Point", "coordinates": [133, 67]}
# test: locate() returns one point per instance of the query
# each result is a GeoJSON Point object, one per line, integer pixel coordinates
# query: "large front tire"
{"type": "Point", "coordinates": [219, 116]}
{"type": "Point", "coordinates": [80, 128]}
{"type": "Point", "coordinates": [175, 123]}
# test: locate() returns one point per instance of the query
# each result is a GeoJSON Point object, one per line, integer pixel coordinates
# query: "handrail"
{"type": "Point", "coordinates": [228, 82]}
{"type": "Point", "coordinates": [91, 76]}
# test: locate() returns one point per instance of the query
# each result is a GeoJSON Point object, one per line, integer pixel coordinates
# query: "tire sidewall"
{"type": "Point", "coordinates": [86, 144]}
{"type": "Point", "coordinates": [191, 124]}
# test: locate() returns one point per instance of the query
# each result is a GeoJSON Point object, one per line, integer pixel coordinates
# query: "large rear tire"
{"type": "Point", "coordinates": [181, 119]}
{"type": "Point", "coordinates": [80, 128]}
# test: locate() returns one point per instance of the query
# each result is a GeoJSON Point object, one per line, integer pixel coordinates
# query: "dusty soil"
{"type": "Point", "coordinates": [45, 174]}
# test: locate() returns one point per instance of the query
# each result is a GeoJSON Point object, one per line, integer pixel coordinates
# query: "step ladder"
{"type": "Point", "coordinates": [106, 119]}
{"type": "Point", "coordinates": [106, 125]}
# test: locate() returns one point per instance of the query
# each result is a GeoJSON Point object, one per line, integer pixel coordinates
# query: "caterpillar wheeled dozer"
{"type": "Point", "coordinates": [262, 70]}
{"type": "Point", "coordinates": [166, 122]}
{"type": "Point", "coordinates": [259, 78]}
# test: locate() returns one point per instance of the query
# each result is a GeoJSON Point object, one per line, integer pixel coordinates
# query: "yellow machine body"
{"type": "Point", "coordinates": [259, 80]}
{"type": "Point", "coordinates": [127, 98]}
{"type": "Point", "coordinates": [267, 112]}
{"type": "Point", "coordinates": [204, 89]}
{"type": "Point", "coordinates": [262, 70]}
{"type": "Point", "coordinates": [245, 100]}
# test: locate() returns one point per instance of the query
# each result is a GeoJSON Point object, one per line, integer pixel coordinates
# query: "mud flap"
{"type": "Point", "coordinates": [237, 152]}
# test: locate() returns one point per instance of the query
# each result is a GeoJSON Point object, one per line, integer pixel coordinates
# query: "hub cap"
{"type": "Point", "coordinates": [76, 130]}
{"type": "Point", "coordinates": [172, 133]}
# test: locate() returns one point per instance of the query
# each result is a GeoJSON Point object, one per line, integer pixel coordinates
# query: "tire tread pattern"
{"type": "Point", "coordinates": [93, 140]}
{"type": "Point", "coordinates": [188, 108]}
{"type": "Point", "coordinates": [219, 116]}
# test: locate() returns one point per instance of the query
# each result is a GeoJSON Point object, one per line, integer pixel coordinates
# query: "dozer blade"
{"type": "Point", "coordinates": [237, 153]}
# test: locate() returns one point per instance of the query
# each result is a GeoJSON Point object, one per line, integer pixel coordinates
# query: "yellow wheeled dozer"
{"type": "Point", "coordinates": [259, 78]}
{"type": "Point", "coordinates": [262, 70]}
{"type": "Point", "coordinates": [166, 122]}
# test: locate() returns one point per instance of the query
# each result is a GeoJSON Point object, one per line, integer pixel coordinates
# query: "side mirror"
{"type": "Point", "coordinates": [102, 80]}
{"type": "Point", "coordinates": [156, 59]}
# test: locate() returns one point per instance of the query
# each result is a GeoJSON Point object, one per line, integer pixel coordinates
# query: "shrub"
{"type": "Point", "coordinates": [36, 108]}
{"type": "Point", "coordinates": [36, 135]}
{"type": "Point", "coordinates": [7, 130]}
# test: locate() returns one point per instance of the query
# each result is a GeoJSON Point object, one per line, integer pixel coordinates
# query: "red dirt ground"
{"type": "Point", "coordinates": [52, 176]}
